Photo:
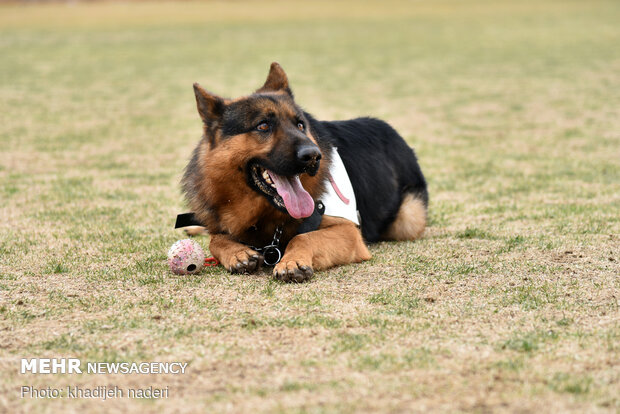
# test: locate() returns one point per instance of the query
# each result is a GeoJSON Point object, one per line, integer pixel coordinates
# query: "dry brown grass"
{"type": "Point", "coordinates": [510, 303]}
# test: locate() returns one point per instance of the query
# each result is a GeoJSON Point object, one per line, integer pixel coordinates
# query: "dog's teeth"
{"type": "Point", "coordinates": [267, 178]}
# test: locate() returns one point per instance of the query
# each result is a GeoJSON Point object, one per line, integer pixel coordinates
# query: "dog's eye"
{"type": "Point", "coordinates": [301, 126]}
{"type": "Point", "coordinates": [263, 126]}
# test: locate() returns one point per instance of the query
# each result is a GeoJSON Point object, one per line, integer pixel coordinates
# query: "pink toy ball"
{"type": "Point", "coordinates": [186, 257]}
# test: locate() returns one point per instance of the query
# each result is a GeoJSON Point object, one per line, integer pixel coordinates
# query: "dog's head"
{"type": "Point", "coordinates": [260, 148]}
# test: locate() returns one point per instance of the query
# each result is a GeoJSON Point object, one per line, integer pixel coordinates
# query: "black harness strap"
{"type": "Point", "coordinates": [313, 222]}
{"type": "Point", "coordinates": [186, 219]}
{"type": "Point", "coordinates": [309, 224]}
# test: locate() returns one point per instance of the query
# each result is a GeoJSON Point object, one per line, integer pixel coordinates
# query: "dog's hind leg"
{"type": "Point", "coordinates": [195, 231]}
{"type": "Point", "coordinates": [338, 241]}
{"type": "Point", "coordinates": [410, 221]}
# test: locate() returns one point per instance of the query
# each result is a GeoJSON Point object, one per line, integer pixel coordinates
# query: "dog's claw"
{"type": "Point", "coordinates": [292, 272]}
{"type": "Point", "coordinates": [245, 262]}
{"type": "Point", "coordinates": [251, 266]}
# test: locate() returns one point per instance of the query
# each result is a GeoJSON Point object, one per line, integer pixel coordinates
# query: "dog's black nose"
{"type": "Point", "coordinates": [308, 154]}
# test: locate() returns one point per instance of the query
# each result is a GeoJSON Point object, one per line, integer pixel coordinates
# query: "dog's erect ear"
{"type": "Point", "coordinates": [276, 80]}
{"type": "Point", "coordinates": [210, 107]}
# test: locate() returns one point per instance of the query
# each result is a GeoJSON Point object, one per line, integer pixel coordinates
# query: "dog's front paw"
{"type": "Point", "coordinates": [245, 261]}
{"type": "Point", "coordinates": [291, 271]}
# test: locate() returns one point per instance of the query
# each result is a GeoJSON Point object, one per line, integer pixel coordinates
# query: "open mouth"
{"type": "Point", "coordinates": [286, 193]}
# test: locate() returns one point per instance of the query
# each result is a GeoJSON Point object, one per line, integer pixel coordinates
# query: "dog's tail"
{"type": "Point", "coordinates": [410, 221]}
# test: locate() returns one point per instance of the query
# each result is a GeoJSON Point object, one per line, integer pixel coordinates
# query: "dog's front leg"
{"type": "Point", "coordinates": [234, 256]}
{"type": "Point", "coordinates": [337, 241]}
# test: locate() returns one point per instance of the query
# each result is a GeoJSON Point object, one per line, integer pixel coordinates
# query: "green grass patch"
{"type": "Point", "coordinates": [570, 383]}
{"type": "Point", "coordinates": [528, 342]}
{"type": "Point", "coordinates": [399, 303]}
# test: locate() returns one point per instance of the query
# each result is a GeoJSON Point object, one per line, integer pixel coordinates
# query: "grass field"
{"type": "Point", "coordinates": [510, 303]}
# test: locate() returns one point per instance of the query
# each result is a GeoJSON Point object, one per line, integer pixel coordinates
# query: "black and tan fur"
{"type": "Point", "coordinates": [226, 196]}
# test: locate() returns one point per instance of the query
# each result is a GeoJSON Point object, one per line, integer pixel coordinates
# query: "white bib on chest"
{"type": "Point", "coordinates": [339, 199]}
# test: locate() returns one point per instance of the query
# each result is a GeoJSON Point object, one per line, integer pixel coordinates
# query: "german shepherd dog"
{"type": "Point", "coordinates": [263, 165]}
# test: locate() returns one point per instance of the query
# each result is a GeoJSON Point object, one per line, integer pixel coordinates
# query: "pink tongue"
{"type": "Point", "coordinates": [298, 202]}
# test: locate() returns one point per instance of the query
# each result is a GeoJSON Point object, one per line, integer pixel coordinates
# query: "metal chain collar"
{"type": "Point", "coordinates": [272, 253]}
